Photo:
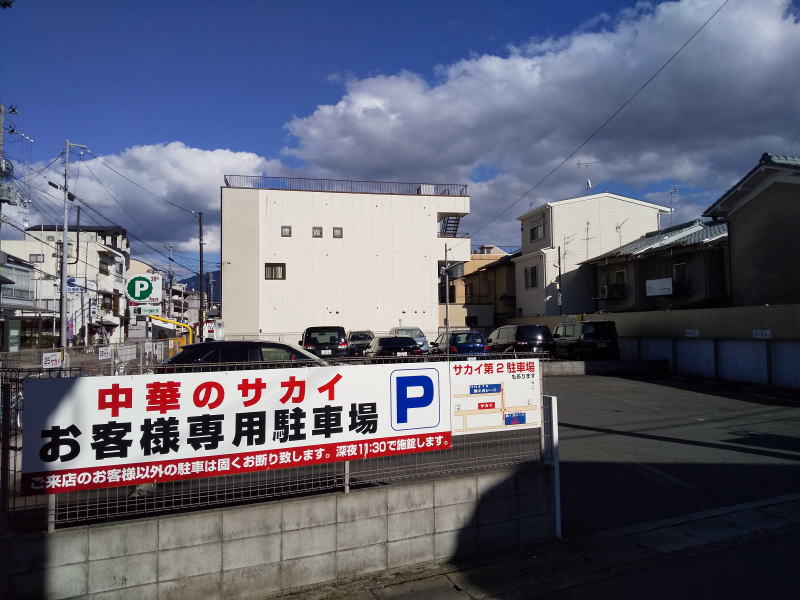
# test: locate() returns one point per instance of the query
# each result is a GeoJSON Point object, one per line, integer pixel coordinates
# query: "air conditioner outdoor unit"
{"type": "Point", "coordinates": [602, 292]}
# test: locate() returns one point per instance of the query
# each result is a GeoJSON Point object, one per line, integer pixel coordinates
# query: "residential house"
{"type": "Point", "coordinates": [359, 254]}
{"type": "Point", "coordinates": [22, 317]}
{"type": "Point", "coordinates": [684, 266]}
{"type": "Point", "coordinates": [97, 258]}
{"type": "Point", "coordinates": [558, 236]}
{"type": "Point", "coordinates": [762, 211]}
{"type": "Point", "coordinates": [490, 292]}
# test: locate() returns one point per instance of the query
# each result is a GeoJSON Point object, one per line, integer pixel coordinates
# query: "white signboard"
{"type": "Point", "coordinates": [104, 353]}
{"type": "Point", "coordinates": [658, 287]}
{"type": "Point", "coordinates": [52, 360]}
{"type": "Point", "coordinates": [76, 285]}
{"type": "Point", "coordinates": [144, 288]}
{"type": "Point", "coordinates": [152, 310]}
{"type": "Point", "coordinates": [96, 432]}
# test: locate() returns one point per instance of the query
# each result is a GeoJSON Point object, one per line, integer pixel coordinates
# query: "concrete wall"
{"type": "Point", "coordinates": [252, 551]}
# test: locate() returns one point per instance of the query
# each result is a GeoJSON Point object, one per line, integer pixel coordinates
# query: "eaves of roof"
{"type": "Point", "coordinates": [767, 161]}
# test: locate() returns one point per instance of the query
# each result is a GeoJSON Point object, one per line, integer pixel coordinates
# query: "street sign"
{"type": "Point", "coordinates": [153, 310]}
{"type": "Point", "coordinates": [76, 285]}
{"type": "Point", "coordinates": [144, 288]}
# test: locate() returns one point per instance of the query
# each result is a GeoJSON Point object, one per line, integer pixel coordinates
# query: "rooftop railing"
{"type": "Point", "coordinates": [302, 184]}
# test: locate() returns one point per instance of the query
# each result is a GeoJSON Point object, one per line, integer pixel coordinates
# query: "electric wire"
{"type": "Point", "coordinates": [604, 123]}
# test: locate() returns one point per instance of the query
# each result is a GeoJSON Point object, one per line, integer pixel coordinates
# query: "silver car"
{"type": "Point", "coordinates": [414, 332]}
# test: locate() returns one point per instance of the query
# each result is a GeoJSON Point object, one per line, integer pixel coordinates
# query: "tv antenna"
{"type": "Point", "coordinates": [585, 165]}
{"type": "Point", "coordinates": [587, 238]}
{"type": "Point", "coordinates": [673, 196]}
{"type": "Point", "coordinates": [618, 227]}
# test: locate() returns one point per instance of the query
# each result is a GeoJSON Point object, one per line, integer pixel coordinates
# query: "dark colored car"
{"type": "Point", "coordinates": [234, 355]}
{"type": "Point", "coordinates": [359, 341]}
{"type": "Point", "coordinates": [536, 339]}
{"type": "Point", "coordinates": [461, 342]}
{"type": "Point", "coordinates": [394, 346]}
{"type": "Point", "coordinates": [326, 341]}
{"type": "Point", "coordinates": [583, 340]}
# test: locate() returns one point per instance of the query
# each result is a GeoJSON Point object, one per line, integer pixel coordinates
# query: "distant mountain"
{"type": "Point", "coordinates": [213, 279]}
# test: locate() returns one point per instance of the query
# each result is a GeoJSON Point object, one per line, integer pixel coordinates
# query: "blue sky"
{"type": "Point", "coordinates": [492, 94]}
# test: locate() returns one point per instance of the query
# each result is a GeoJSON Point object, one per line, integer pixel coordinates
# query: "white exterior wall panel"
{"type": "Point", "coordinates": [383, 270]}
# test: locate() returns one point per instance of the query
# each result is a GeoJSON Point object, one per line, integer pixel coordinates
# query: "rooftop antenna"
{"type": "Point", "coordinates": [673, 196]}
{"type": "Point", "coordinates": [587, 238]}
{"type": "Point", "coordinates": [618, 227]}
{"type": "Point", "coordinates": [585, 165]}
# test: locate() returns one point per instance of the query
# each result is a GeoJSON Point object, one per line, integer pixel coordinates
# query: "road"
{"type": "Point", "coordinates": [635, 451]}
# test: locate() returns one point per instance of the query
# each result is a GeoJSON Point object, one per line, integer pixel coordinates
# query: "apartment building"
{"type": "Point", "coordinates": [360, 254]}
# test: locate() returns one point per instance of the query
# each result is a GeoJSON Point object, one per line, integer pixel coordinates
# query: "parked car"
{"type": "Point", "coordinates": [521, 338]}
{"type": "Point", "coordinates": [587, 339]}
{"type": "Point", "coordinates": [461, 342]}
{"type": "Point", "coordinates": [414, 332]}
{"type": "Point", "coordinates": [359, 341]}
{"type": "Point", "coordinates": [325, 341]}
{"type": "Point", "coordinates": [230, 355]}
{"type": "Point", "coordinates": [396, 346]}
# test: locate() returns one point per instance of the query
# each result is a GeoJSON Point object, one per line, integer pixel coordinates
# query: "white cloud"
{"type": "Point", "coordinates": [728, 97]}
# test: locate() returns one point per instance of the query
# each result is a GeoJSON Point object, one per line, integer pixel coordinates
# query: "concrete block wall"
{"type": "Point", "coordinates": [253, 551]}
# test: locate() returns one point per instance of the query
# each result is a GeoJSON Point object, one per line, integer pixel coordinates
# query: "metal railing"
{"type": "Point", "coordinates": [469, 453]}
{"type": "Point", "coordinates": [302, 184]}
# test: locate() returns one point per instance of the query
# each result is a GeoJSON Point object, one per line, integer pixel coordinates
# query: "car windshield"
{"type": "Point", "coordinates": [471, 337]}
{"type": "Point", "coordinates": [533, 332]}
{"type": "Point", "coordinates": [413, 332]}
{"type": "Point", "coordinates": [599, 330]}
{"type": "Point", "coordinates": [360, 336]}
{"type": "Point", "coordinates": [397, 342]}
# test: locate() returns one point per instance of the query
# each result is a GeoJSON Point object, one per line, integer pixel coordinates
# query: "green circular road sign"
{"type": "Point", "coordinates": [139, 288]}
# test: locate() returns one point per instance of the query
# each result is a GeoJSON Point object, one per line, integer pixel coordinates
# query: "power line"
{"type": "Point", "coordinates": [607, 121]}
{"type": "Point", "coordinates": [126, 178]}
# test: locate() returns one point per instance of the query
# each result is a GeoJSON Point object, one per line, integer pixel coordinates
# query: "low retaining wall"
{"type": "Point", "coordinates": [255, 550]}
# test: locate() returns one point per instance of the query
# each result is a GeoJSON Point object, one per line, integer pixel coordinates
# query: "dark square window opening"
{"type": "Point", "coordinates": [274, 270]}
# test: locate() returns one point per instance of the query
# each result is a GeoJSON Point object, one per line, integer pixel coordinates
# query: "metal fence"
{"type": "Point", "coordinates": [468, 453]}
{"type": "Point", "coordinates": [302, 184]}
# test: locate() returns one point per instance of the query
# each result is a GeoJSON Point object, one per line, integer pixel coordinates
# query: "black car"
{"type": "Point", "coordinates": [235, 355]}
{"type": "Point", "coordinates": [392, 346]}
{"type": "Point", "coordinates": [326, 341]}
{"type": "Point", "coordinates": [359, 341]}
{"type": "Point", "coordinates": [536, 339]}
{"type": "Point", "coordinates": [583, 340]}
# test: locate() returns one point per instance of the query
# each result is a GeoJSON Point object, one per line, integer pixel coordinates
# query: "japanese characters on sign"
{"type": "Point", "coordinates": [93, 432]}
{"type": "Point", "coordinates": [495, 395]}
{"type": "Point", "coordinates": [125, 430]}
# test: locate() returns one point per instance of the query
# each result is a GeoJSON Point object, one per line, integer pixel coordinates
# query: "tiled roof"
{"type": "Point", "coordinates": [779, 159]}
{"type": "Point", "coordinates": [686, 234]}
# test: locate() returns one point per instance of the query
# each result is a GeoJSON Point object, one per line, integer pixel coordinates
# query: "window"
{"type": "Point", "coordinates": [274, 270]}
{"type": "Point", "coordinates": [316, 232]}
{"type": "Point", "coordinates": [531, 277]}
{"type": "Point", "coordinates": [679, 272]}
{"type": "Point", "coordinates": [618, 277]}
{"type": "Point", "coordinates": [286, 231]}
{"type": "Point", "coordinates": [537, 232]}
{"type": "Point", "coordinates": [338, 232]}
{"type": "Point", "coordinates": [36, 258]}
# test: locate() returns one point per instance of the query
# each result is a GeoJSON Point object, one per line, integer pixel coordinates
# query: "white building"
{"type": "Point", "coordinates": [560, 235]}
{"type": "Point", "coordinates": [96, 267]}
{"type": "Point", "coordinates": [364, 255]}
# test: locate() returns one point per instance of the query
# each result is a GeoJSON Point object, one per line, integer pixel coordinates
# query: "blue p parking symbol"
{"type": "Point", "coordinates": [415, 399]}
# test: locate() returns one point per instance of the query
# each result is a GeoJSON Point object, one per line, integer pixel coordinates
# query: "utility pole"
{"type": "Point", "coordinates": [202, 315]}
{"type": "Point", "coordinates": [447, 299]}
{"type": "Point", "coordinates": [63, 295]}
{"type": "Point", "coordinates": [170, 246]}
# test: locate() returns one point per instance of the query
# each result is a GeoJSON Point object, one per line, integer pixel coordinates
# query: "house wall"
{"type": "Point", "coordinates": [765, 246]}
{"type": "Point", "coordinates": [381, 273]}
{"type": "Point", "coordinates": [566, 226]}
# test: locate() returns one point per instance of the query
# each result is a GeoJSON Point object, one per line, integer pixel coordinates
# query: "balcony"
{"type": "Point", "coordinates": [302, 184]}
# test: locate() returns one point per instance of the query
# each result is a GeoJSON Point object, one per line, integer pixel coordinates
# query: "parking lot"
{"type": "Point", "coordinates": [634, 451]}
